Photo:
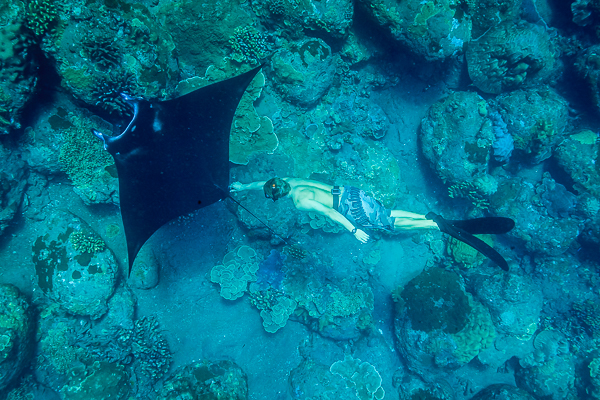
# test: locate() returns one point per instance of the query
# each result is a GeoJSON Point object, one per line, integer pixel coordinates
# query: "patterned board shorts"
{"type": "Point", "coordinates": [364, 211]}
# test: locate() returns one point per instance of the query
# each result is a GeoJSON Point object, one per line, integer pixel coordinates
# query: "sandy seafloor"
{"type": "Point", "coordinates": [199, 324]}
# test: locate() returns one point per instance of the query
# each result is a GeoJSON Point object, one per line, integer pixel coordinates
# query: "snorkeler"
{"type": "Point", "coordinates": [356, 211]}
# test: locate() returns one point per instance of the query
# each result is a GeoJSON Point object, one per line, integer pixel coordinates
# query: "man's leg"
{"type": "Point", "coordinates": [408, 220]}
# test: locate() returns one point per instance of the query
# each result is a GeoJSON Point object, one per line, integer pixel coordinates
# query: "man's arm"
{"type": "Point", "coordinates": [238, 186]}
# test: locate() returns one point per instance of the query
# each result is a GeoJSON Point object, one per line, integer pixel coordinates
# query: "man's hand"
{"type": "Point", "coordinates": [361, 235]}
{"type": "Point", "coordinates": [236, 186]}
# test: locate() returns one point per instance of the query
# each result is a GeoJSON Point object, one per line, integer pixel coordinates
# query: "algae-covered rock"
{"type": "Point", "coordinates": [515, 302]}
{"type": "Point", "coordinates": [74, 267]}
{"type": "Point", "coordinates": [501, 391]}
{"type": "Point", "coordinates": [13, 181]}
{"type": "Point", "coordinates": [327, 18]}
{"type": "Point", "coordinates": [510, 56]}
{"type": "Point", "coordinates": [547, 345]}
{"type": "Point", "coordinates": [18, 64]}
{"type": "Point", "coordinates": [457, 141]}
{"type": "Point", "coordinates": [431, 29]}
{"type": "Point", "coordinates": [15, 334]}
{"type": "Point", "coordinates": [439, 324]}
{"type": "Point", "coordinates": [104, 49]}
{"type": "Point", "coordinates": [579, 156]}
{"type": "Point", "coordinates": [554, 378]}
{"type": "Point", "coordinates": [207, 380]}
{"type": "Point", "coordinates": [588, 68]}
{"type": "Point", "coordinates": [304, 72]}
{"type": "Point", "coordinates": [516, 199]}
{"type": "Point", "coordinates": [201, 31]}
{"type": "Point", "coordinates": [145, 270]}
{"type": "Point", "coordinates": [435, 299]}
{"type": "Point", "coordinates": [101, 380]}
{"type": "Point", "coordinates": [536, 120]}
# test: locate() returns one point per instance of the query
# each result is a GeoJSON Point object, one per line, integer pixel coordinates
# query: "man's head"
{"type": "Point", "coordinates": [276, 188]}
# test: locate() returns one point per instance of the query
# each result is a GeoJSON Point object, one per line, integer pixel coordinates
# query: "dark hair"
{"type": "Point", "coordinates": [276, 188]}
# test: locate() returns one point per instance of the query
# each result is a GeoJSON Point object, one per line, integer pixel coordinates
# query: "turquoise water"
{"type": "Point", "coordinates": [468, 109]}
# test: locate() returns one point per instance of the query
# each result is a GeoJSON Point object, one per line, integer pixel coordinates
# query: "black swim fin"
{"type": "Point", "coordinates": [477, 226]}
{"type": "Point", "coordinates": [464, 230]}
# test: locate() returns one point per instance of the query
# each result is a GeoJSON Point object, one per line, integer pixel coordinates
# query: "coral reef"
{"type": "Point", "coordinates": [465, 255]}
{"type": "Point", "coordinates": [456, 128]}
{"type": "Point", "coordinates": [508, 57]}
{"type": "Point", "coordinates": [555, 378]}
{"type": "Point", "coordinates": [274, 305]}
{"type": "Point", "coordinates": [304, 72]}
{"type": "Point", "coordinates": [588, 68]}
{"type": "Point", "coordinates": [18, 61]}
{"type": "Point", "coordinates": [516, 198]}
{"type": "Point", "coordinates": [13, 180]}
{"type": "Point", "coordinates": [40, 15]}
{"type": "Point", "coordinates": [515, 303]}
{"type": "Point", "coordinates": [432, 30]}
{"type": "Point", "coordinates": [238, 269]}
{"type": "Point", "coordinates": [96, 68]}
{"type": "Point", "coordinates": [270, 271]}
{"type": "Point", "coordinates": [329, 19]}
{"type": "Point", "coordinates": [248, 45]}
{"type": "Point", "coordinates": [536, 120]}
{"type": "Point", "coordinates": [361, 376]}
{"type": "Point", "coordinates": [82, 158]}
{"type": "Point", "coordinates": [503, 144]}
{"type": "Point", "coordinates": [99, 380]}
{"type": "Point", "coordinates": [508, 130]}
{"type": "Point", "coordinates": [438, 324]}
{"type": "Point", "coordinates": [76, 272]}
{"type": "Point", "coordinates": [347, 379]}
{"type": "Point", "coordinates": [206, 380]}
{"type": "Point", "coordinates": [15, 334]}
{"type": "Point", "coordinates": [312, 220]}
{"type": "Point", "coordinates": [146, 344]}
{"type": "Point", "coordinates": [500, 391]}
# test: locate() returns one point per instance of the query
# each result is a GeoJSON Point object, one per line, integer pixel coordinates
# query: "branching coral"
{"type": "Point", "coordinates": [86, 241]}
{"type": "Point", "coordinates": [248, 45]}
{"type": "Point", "coordinates": [470, 192]}
{"type": "Point", "coordinates": [102, 51]}
{"type": "Point", "coordinates": [40, 15]}
{"type": "Point", "coordinates": [108, 91]}
{"type": "Point", "coordinates": [82, 157]}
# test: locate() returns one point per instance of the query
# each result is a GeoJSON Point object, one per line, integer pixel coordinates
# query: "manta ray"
{"type": "Point", "coordinates": [173, 157]}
